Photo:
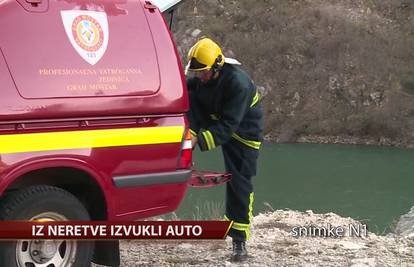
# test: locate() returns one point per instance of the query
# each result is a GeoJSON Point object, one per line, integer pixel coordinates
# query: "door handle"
{"type": "Point", "coordinates": [34, 1]}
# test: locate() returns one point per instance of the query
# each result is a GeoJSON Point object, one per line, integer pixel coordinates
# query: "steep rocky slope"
{"type": "Point", "coordinates": [329, 71]}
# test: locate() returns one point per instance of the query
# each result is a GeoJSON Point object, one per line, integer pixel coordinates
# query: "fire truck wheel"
{"type": "Point", "coordinates": [44, 203]}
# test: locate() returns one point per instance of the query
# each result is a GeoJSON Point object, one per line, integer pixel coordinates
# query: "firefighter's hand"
{"type": "Point", "coordinates": [194, 141]}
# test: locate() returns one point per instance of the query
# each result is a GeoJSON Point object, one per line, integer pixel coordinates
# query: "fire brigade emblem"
{"type": "Point", "coordinates": [87, 32]}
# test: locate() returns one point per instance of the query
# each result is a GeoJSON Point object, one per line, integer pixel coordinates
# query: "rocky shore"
{"type": "Point", "coordinates": [349, 140]}
{"type": "Point", "coordinates": [273, 243]}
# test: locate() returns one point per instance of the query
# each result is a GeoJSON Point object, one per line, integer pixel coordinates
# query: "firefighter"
{"type": "Point", "coordinates": [225, 111]}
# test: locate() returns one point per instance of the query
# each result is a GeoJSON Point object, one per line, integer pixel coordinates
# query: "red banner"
{"type": "Point", "coordinates": [114, 230]}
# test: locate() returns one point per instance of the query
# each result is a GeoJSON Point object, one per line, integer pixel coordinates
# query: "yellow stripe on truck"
{"type": "Point", "coordinates": [30, 142]}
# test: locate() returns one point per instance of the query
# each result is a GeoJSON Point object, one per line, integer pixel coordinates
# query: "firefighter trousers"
{"type": "Point", "coordinates": [240, 160]}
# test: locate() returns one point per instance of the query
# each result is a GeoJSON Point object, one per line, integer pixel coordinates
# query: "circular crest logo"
{"type": "Point", "coordinates": [88, 33]}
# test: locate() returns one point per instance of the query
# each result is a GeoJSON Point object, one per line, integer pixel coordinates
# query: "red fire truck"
{"type": "Point", "coordinates": [92, 121]}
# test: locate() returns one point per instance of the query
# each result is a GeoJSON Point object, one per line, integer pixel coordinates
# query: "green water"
{"type": "Point", "coordinates": [372, 184]}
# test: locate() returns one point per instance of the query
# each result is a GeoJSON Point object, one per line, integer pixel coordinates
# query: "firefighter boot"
{"type": "Point", "coordinates": [239, 251]}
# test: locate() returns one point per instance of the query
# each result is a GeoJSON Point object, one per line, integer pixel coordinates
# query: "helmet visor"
{"type": "Point", "coordinates": [194, 65]}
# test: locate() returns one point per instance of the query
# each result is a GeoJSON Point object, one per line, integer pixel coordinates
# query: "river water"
{"type": "Point", "coordinates": [371, 184]}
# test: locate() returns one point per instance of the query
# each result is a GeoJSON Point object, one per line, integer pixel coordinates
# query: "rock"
{"type": "Point", "coordinates": [307, 251]}
{"type": "Point", "coordinates": [405, 226]}
{"type": "Point", "coordinates": [351, 245]}
{"type": "Point", "coordinates": [367, 262]}
{"type": "Point", "coordinates": [366, 103]}
{"type": "Point", "coordinates": [376, 97]}
{"type": "Point", "coordinates": [262, 91]}
{"type": "Point", "coordinates": [196, 33]}
{"type": "Point", "coordinates": [185, 246]}
{"type": "Point", "coordinates": [268, 137]}
{"type": "Point", "coordinates": [353, 93]}
{"type": "Point", "coordinates": [287, 136]}
{"type": "Point", "coordinates": [353, 103]}
{"type": "Point", "coordinates": [334, 84]}
{"type": "Point", "coordinates": [296, 99]}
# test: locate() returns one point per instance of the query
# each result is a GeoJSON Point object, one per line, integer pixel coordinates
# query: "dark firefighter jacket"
{"type": "Point", "coordinates": [227, 107]}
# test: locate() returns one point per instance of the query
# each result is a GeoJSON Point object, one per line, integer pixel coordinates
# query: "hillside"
{"type": "Point", "coordinates": [329, 71]}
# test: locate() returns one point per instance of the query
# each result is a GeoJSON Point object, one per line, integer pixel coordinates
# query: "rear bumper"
{"type": "Point", "coordinates": [175, 177]}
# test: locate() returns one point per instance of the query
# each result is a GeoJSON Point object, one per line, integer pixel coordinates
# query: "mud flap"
{"type": "Point", "coordinates": [204, 179]}
{"type": "Point", "coordinates": [107, 253]}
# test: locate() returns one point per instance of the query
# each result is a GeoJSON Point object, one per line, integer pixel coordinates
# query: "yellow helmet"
{"type": "Point", "coordinates": [205, 55]}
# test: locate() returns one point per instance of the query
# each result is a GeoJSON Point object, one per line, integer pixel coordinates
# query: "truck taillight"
{"type": "Point", "coordinates": [186, 157]}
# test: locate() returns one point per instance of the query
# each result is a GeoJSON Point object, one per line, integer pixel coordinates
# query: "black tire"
{"type": "Point", "coordinates": [51, 203]}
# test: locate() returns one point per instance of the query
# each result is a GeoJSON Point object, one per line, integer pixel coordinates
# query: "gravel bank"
{"type": "Point", "coordinates": [273, 244]}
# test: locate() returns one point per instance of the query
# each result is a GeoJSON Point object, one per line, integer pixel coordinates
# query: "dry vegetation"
{"type": "Point", "coordinates": [328, 68]}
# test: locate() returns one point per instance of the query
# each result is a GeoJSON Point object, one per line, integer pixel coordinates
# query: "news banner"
{"type": "Point", "coordinates": [95, 230]}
